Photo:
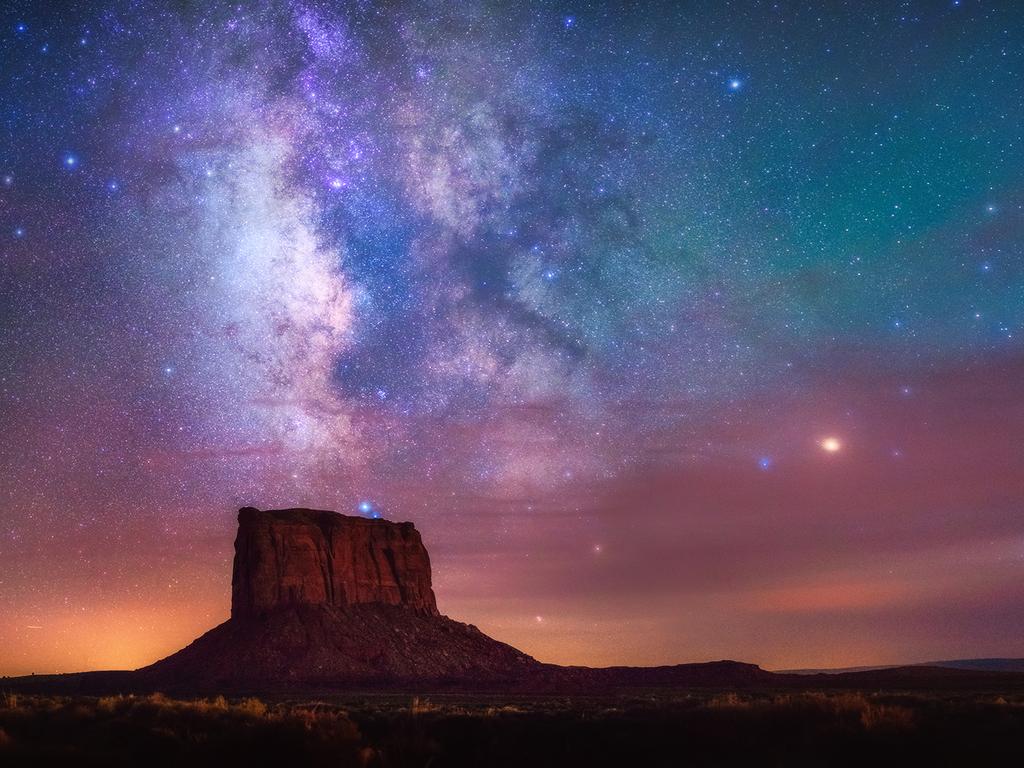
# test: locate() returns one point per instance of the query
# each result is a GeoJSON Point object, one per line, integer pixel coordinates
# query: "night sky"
{"type": "Point", "coordinates": [682, 333]}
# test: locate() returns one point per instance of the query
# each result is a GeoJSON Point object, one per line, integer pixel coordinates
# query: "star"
{"type": "Point", "coordinates": [831, 444]}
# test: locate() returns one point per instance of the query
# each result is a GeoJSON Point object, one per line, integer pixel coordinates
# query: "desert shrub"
{"type": "Point", "coordinates": [729, 700]}
{"type": "Point", "coordinates": [886, 716]}
{"type": "Point", "coordinates": [422, 706]}
{"type": "Point", "coordinates": [253, 707]}
{"type": "Point", "coordinates": [108, 704]}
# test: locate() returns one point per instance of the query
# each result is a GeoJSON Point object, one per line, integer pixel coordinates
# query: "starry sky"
{"type": "Point", "coordinates": [682, 331]}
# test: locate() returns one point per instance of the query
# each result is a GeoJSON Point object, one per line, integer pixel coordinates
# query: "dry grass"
{"type": "Point", "coordinates": [683, 729]}
{"type": "Point", "coordinates": [873, 712]}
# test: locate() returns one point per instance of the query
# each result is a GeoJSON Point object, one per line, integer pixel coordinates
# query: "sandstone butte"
{"type": "Point", "coordinates": [308, 557]}
{"type": "Point", "coordinates": [323, 601]}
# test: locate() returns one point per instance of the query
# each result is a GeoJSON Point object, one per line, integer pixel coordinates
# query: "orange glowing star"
{"type": "Point", "coordinates": [831, 444]}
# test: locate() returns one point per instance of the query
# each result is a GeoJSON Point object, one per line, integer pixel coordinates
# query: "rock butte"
{"type": "Point", "coordinates": [311, 557]}
{"type": "Point", "coordinates": [322, 601]}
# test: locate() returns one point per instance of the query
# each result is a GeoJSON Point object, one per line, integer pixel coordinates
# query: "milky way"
{"type": "Point", "coordinates": [682, 331]}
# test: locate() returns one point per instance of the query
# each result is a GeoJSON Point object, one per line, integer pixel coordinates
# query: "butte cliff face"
{"type": "Point", "coordinates": [322, 600]}
{"type": "Point", "coordinates": [308, 557]}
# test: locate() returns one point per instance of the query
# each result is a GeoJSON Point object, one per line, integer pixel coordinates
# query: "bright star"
{"type": "Point", "coordinates": [735, 84]}
{"type": "Point", "coordinates": [765, 463]}
{"type": "Point", "coordinates": [831, 444]}
{"type": "Point", "coordinates": [365, 506]}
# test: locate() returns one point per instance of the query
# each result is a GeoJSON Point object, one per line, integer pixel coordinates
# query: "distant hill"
{"type": "Point", "coordinates": [974, 665]}
{"type": "Point", "coordinates": [981, 665]}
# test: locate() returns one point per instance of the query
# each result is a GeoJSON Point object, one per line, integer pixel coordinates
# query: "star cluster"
{"type": "Point", "coordinates": [669, 325]}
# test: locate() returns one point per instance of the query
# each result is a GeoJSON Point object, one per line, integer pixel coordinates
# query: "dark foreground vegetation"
{"type": "Point", "coordinates": [659, 729]}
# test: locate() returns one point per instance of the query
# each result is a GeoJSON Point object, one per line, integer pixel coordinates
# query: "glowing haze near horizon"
{"type": "Point", "coordinates": [682, 332]}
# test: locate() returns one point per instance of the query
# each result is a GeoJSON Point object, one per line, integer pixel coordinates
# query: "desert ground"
{"type": "Point", "coordinates": [654, 728]}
